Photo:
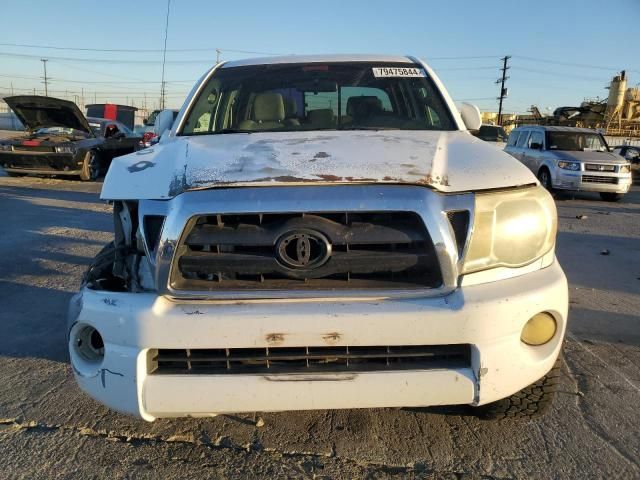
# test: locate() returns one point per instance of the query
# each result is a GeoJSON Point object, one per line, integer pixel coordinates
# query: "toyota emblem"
{"type": "Point", "coordinates": [303, 249]}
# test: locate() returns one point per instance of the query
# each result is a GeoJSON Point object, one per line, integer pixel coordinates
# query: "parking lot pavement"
{"type": "Point", "coordinates": [52, 228]}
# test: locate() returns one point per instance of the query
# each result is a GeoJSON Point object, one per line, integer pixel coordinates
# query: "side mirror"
{"type": "Point", "coordinates": [144, 122]}
{"type": "Point", "coordinates": [535, 146]}
{"type": "Point", "coordinates": [470, 116]}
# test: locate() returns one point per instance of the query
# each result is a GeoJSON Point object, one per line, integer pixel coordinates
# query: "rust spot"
{"type": "Point", "coordinates": [331, 337]}
{"type": "Point", "coordinates": [275, 338]}
{"type": "Point", "coordinates": [358, 179]}
{"type": "Point", "coordinates": [329, 178]}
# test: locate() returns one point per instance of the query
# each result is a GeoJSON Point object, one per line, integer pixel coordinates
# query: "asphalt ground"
{"type": "Point", "coordinates": [50, 231]}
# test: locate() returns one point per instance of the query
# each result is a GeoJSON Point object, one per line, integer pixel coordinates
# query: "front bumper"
{"type": "Point", "coordinates": [588, 181]}
{"type": "Point", "coordinates": [488, 316]}
{"type": "Point", "coordinates": [41, 162]}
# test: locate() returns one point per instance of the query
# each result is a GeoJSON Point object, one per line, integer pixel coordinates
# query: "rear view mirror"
{"type": "Point", "coordinates": [470, 116]}
{"type": "Point", "coordinates": [317, 85]}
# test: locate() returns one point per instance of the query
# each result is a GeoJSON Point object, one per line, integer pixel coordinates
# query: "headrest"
{"type": "Point", "coordinates": [321, 116]}
{"type": "Point", "coordinates": [268, 107]}
{"type": "Point", "coordinates": [363, 106]}
{"type": "Point", "coordinates": [290, 107]}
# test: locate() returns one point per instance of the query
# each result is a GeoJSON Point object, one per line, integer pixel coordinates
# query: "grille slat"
{"type": "Point", "coordinates": [366, 250]}
{"type": "Point", "coordinates": [597, 179]}
{"type": "Point", "coordinates": [598, 167]}
{"type": "Point", "coordinates": [309, 359]}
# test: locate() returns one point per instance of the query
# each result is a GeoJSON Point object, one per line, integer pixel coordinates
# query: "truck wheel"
{"type": "Point", "coordinates": [610, 196]}
{"type": "Point", "coordinates": [545, 179]}
{"type": "Point", "coordinates": [90, 167]}
{"type": "Point", "coordinates": [530, 402]}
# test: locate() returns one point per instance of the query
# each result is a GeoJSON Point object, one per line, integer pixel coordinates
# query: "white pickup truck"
{"type": "Point", "coordinates": [319, 233]}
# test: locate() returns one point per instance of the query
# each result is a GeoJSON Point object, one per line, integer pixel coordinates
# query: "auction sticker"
{"type": "Point", "coordinates": [398, 72]}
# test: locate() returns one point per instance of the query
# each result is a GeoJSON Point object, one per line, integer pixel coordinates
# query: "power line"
{"type": "Point", "coordinates": [571, 64]}
{"type": "Point", "coordinates": [139, 50]}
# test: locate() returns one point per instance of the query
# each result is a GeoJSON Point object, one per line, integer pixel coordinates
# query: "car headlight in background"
{"type": "Point", "coordinates": [625, 168]}
{"type": "Point", "coordinates": [575, 166]}
{"type": "Point", "coordinates": [65, 150]}
{"type": "Point", "coordinates": [511, 229]}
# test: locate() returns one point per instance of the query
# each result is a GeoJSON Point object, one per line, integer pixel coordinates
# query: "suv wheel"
{"type": "Point", "coordinates": [530, 402]}
{"type": "Point", "coordinates": [545, 179]}
{"type": "Point", "coordinates": [90, 167]}
{"type": "Point", "coordinates": [610, 196]}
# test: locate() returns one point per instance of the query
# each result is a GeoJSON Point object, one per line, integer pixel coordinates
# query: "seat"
{"type": "Point", "coordinates": [290, 112]}
{"type": "Point", "coordinates": [267, 114]}
{"type": "Point", "coordinates": [321, 118]}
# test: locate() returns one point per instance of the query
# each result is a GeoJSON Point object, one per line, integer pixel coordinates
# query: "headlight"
{"type": "Point", "coordinates": [65, 150]}
{"type": "Point", "coordinates": [511, 229]}
{"type": "Point", "coordinates": [625, 168]}
{"type": "Point", "coordinates": [569, 165]}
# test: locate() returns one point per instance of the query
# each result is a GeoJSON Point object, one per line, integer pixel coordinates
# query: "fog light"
{"type": "Point", "coordinates": [89, 345]}
{"type": "Point", "coordinates": [539, 329]}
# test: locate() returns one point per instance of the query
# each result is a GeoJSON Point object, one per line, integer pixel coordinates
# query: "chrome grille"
{"type": "Point", "coordinates": [366, 250]}
{"type": "Point", "coordinates": [309, 359]}
{"type": "Point", "coordinates": [597, 179]}
{"type": "Point", "coordinates": [597, 167]}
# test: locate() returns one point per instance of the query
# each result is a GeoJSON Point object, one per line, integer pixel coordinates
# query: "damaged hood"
{"type": "Point", "coordinates": [42, 112]}
{"type": "Point", "coordinates": [446, 161]}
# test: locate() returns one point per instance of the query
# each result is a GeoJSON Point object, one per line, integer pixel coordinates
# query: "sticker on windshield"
{"type": "Point", "coordinates": [398, 72]}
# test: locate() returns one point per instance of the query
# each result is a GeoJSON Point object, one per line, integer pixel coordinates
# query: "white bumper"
{"type": "Point", "coordinates": [592, 181]}
{"type": "Point", "coordinates": [489, 316]}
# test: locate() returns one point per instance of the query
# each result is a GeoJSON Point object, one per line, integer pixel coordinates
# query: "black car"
{"type": "Point", "coordinates": [61, 140]}
{"type": "Point", "coordinates": [629, 152]}
{"type": "Point", "coordinates": [492, 133]}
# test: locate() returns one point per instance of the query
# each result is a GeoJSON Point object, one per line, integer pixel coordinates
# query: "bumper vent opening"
{"type": "Point", "coordinates": [459, 220]}
{"type": "Point", "coordinates": [285, 360]}
{"type": "Point", "coordinates": [306, 251]}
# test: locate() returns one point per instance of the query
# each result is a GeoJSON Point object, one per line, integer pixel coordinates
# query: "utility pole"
{"type": "Point", "coordinates": [164, 57]}
{"type": "Point", "coordinates": [46, 79]}
{"type": "Point", "coordinates": [503, 90]}
{"type": "Point", "coordinates": [218, 52]}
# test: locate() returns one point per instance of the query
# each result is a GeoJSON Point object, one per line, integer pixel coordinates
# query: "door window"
{"type": "Point", "coordinates": [522, 139]}
{"type": "Point", "coordinates": [535, 137]}
{"type": "Point", "coordinates": [513, 138]}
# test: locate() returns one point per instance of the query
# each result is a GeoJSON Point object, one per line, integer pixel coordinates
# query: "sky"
{"type": "Point", "coordinates": [562, 50]}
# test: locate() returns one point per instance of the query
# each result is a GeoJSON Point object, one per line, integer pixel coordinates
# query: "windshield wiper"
{"type": "Point", "coordinates": [232, 130]}
{"type": "Point", "coordinates": [369, 128]}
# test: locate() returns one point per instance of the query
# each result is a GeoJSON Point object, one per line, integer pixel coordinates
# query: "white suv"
{"type": "Point", "coordinates": [317, 233]}
{"type": "Point", "coordinates": [570, 158]}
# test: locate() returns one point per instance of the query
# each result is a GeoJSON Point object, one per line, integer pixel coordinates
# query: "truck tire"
{"type": "Point", "coordinates": [610, 196]}
{"type": "Point", "coordinates": [90, 167]}
{"type": "Point", "coordinates": [530, 402]}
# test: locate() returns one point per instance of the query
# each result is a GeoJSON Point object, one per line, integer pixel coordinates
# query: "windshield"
{"type": "Point", "coordinates": [60, 131]}
{"type": "Point", "coordinates": [315, 96]}
{"type": "Point", "coordinates": [575, 141]}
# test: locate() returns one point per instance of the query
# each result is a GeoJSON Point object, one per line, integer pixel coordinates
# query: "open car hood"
{"type": "Point", "coordinates": [42, 112]}
{"type": "Point", "coordinates": [445, 161]}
